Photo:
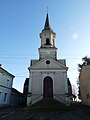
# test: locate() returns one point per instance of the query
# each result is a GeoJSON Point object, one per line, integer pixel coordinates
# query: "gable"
{"type": "Point", "coordinates": [47, 64]}
{"type": "Point", "coordinates": [3, 71]}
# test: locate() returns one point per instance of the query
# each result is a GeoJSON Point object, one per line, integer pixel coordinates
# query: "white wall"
{"type": "Point", "coordinates": [6, 81]}
{"type": "Point", "coordinates": [4, 96]}
{"type": "Point", "coordinates": [85, 85]}
{"type": "Point", "coordinates": [60, 86]}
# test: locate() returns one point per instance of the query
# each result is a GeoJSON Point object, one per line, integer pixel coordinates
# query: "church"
{"type": "Point", "coordinates": [48, 75]}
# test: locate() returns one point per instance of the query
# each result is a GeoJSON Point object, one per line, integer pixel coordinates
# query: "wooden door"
{"type": "Point", "coordinates": [48, 87]}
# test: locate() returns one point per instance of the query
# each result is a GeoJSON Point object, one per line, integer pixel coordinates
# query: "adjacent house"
{"type": "Point", "coordinates": [6, 81]}
{"type": "Point", "coordinates": [84, 81]}
{"type": "Point", "coordinates": [17, 98]}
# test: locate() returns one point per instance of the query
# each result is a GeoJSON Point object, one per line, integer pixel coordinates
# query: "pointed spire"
{"type": "Point", "coordinates": [47, 24]}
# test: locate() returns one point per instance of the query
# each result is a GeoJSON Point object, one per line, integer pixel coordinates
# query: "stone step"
{"type": "Point", "coordinates": [48, 104]}
{"type": "Point", "coordinates": [49, 101]}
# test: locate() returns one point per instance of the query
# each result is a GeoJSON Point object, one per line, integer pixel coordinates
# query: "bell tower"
{"type": "Point", "coordinates": [47, 36]}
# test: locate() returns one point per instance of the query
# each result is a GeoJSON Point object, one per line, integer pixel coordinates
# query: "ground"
{"type": "Point", "coordinates": [75, 112]}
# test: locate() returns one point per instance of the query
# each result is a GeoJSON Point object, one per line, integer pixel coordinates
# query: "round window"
{"type": "Point", "coordinates": [47, 62]}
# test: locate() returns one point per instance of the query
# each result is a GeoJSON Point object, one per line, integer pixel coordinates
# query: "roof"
{"type": "Point", "coordinates": [55, 65]}
{"type": "Point", "coordinates": [34, 61]}
{"type": "Point", "coordinates": [3, 70]}
{"type": "Point", "coordinates": [62, 61]}
{"type": "Point", "coordinates": [16, 91]}
{"type": "Point", "coordinates": [47, 24]}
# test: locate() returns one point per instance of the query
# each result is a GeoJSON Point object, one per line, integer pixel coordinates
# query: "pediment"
{"type": "Point", "coordinates": [48, 63]}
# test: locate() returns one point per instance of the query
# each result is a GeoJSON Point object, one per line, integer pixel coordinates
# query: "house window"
{"type": "Point", "coordinates": [7, 82]}
{"type": "Point", "coordinates": [47, 41]}
{"type": "Point", "coordinates": [5, 97]}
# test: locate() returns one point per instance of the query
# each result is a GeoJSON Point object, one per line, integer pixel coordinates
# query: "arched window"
{"type": "Point", "coordinates": [47, 41]}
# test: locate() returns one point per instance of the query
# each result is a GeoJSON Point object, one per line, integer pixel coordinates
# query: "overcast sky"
{"type": "Point", "coordinates": [21, 21]}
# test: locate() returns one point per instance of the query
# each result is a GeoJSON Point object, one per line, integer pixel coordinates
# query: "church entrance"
{"type": "Point", "coordinates": [48, 87]}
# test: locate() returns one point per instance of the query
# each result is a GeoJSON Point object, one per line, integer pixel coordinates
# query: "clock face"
{"type": "Point", "coordinates": [47, 52]}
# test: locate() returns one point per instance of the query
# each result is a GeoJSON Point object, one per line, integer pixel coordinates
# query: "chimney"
{"type": "Point", "coordinates": [0, 65]}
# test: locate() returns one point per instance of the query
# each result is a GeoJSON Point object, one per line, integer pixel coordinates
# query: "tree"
{"type": "Point", "coordinates": [86, 61]}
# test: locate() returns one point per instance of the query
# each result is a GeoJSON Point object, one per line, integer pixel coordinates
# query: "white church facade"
{"type": "Point", "coordinates": [48, 75]}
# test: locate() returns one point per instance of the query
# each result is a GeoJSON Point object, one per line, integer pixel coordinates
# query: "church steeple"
{"type": "Point", "coordinates": [47, 37]}
{"type": "Point", "coordinates": [47, 24]}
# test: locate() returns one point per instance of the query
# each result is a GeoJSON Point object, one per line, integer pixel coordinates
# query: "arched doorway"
{"type": "Point", "coordinates": [48, 87]}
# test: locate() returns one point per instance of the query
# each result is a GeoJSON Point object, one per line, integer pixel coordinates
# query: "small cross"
{"type": "Point", "coordinates": [47, 9]}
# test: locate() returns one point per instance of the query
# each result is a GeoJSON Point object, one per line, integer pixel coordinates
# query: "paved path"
{"type": "Point", "coordinates": [43, 116]}
{"type": "Point", "coordinates": [19, 115]}
{"type": "Point", "coordinates": [81, 113]}
{"type": "Point", "coordinates": [59, 116]}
